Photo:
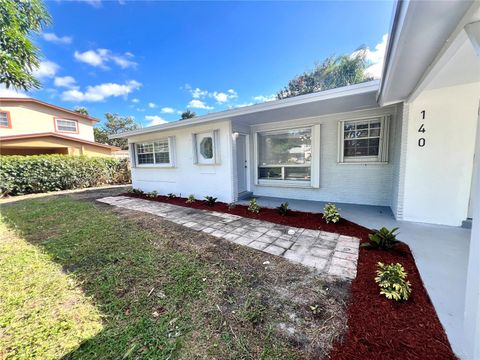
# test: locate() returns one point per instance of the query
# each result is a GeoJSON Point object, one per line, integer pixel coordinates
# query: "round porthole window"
{"type": "Point", "coordinates": [206, 147]}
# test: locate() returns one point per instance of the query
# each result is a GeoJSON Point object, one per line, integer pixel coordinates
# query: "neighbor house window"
{"type": "Point", "coordinates": [153, 153]}
{"type": "Point", "coordinates": [4, 119]}
{"type": "Point", "coordinates": [363, 140]}
{"type": "Point", "coordinates": [285, 155]}
{"type": "Point", "coordinates": [65, 125]}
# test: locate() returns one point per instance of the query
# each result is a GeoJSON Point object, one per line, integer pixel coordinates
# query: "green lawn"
{"type": "Point", "coordinates": [78, 280]}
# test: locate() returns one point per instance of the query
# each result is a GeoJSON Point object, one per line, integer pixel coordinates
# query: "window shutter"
{"type": "Point", "coordinates": [216, 146]}
{"type": "Point", "coordinates": [133, 158]}
{"type": "Point", "coordinates": [385, 139]}
{"type": "Point", "coordinates": [340, 142]}
{"type": "Point", "coordinates": [316, 156]}
{"type": "Point", "coordinates": [194, 149]}
{"type": "Point", "coordinates": [172, 151]}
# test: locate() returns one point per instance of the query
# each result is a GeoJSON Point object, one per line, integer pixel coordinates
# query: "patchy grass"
{"type": "Point", "coordinates": [80, 280]}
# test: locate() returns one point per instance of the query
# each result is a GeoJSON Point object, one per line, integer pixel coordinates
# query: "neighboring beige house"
{"type": "Point", "coordinates": [31, 127]}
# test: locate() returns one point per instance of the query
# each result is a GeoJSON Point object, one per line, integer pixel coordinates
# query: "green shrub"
{"type": "Point", "coordinates": [190, 199]}
{"type": "Point", "coordinates": [210, 200]}
{"type": "Point", "coordinates": [331, 214]}
{"type": "Point", "coordinates": [382, 239]}
{"type": "Point", "coordinates": [392, 279]}
{"type": "Point", "coordinates": [41, 173]}
{"type": "Point", "coordinates": [253, 206]}
{"type": "Point", "coordinates": [283, 209]}
{"type": "Point", "coordinates": [135, 191]}
{"type": "Point", "coordinates": [171, 196]}
{"type": "Point", "coordinates": [152, 194]}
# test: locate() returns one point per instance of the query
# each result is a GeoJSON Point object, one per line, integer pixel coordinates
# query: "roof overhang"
{"type": "Point", "coordinates": [420, 30]}
{"type": "Point", "coordinates": [344, 99]}
{"type": "Point", "coordinates": [5, 100]}
{"type": "Point", "coordinates": [5, 139]}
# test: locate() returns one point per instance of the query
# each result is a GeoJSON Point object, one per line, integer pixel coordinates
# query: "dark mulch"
{"type": "Point", "coordinates": [378, 328]}
{"type": "Point", "coordinates": [294, 218]}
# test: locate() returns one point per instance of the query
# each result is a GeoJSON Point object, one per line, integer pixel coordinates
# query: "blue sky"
{"type": "Point", "coordinates": [152, 60]}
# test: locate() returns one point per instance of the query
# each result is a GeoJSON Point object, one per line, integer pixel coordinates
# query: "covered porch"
{"type": "Point", "coordinates": [441, 254]}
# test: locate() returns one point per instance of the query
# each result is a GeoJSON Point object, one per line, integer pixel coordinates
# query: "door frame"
{"type": "Point", "coordinates": [247, 158]}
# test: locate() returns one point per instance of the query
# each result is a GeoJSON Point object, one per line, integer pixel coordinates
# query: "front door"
{"type": "Point", "coordinates": [242, 163]}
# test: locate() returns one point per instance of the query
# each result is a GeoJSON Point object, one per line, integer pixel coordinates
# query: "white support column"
{"type": "Point", "coordinates": [472, 295]}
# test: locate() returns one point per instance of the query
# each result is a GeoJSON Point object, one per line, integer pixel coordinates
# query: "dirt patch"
{"type": "Point", "coordinates": [263, 293]}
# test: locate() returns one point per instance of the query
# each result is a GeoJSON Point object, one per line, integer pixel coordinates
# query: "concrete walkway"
{"type": "Point", "coordinates": [441, 254]}
{"type": "Point", "coordinates": [328, 253]}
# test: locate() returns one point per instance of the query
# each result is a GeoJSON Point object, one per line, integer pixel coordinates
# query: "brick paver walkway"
{"type": "Point", "coordinates": [328, 253]}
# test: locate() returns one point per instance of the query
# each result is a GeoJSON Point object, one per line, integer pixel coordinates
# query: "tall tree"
{"type": "Point", "coordinates": [332, 73]}
{"type": "Point", "coordinates": [81, 110]}
{"type": "Point", "coordinates": [115, 124]}
{"type": "Point", "coordinates": [188, 115]}
{"type": "Point", "coordinates": [18, 55]}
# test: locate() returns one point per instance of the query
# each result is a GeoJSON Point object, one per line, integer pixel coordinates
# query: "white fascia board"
{"type": "Point", "coordinates": [361, 88]}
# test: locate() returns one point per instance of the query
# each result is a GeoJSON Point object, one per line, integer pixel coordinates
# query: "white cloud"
{"type": "Point", "coordinates": [135, 101]}
{"type": "Point", "coordinates": [199, 104]}
{"type": "Point", "coordinates": [101, 92]}
{"type": "Point", "coordinates": [54, 38]}
{"type": "Point", "coordinates": [376, 58]}
{"type": "Point", "coordinates": [223, 97]}
{"type": "Point", "coordinates": [263, 98]}
{"type": "Point", "coordinates": [168, 110]}
{"type": "Point", "coordinates": [4, 92]}
{"type": "Point", "coordinates": [100, 58]}
{"type": "Point", "coordinates": [65, 81]}
{"type": "Point", "coordinates": [46, 69]}
{"type": "Point", "coordinates": [197, 93]}
{"type": "Point", "coordinates": [140, 109]}
{"type": "Point", "coordinates": [155, 120]}
{"type": "Point", "coordinates": [152, 105]}
{"type": "Point", "coordinates": [91, 57]}
{"type": "Point", "coordinates": [94, 3]}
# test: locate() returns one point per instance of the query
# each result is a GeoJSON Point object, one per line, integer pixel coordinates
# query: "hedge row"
{"type": "Point", "coordinates": [41, 173]}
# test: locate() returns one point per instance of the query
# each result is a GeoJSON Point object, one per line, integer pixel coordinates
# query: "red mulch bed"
{"type": "Point", "coordinates": [378, 328]}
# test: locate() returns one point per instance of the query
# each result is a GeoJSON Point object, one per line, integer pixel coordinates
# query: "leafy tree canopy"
{"type": "Point", "coordinates": [115, 124]}
{"type": "Point", "coordinates": [81, 110]}
{"type": "Point", "coordinates": [188, 115]}
{"type": "Point", "coordinates": [332, 73]}
{"type": "Point", "coordinates": [18, 55]}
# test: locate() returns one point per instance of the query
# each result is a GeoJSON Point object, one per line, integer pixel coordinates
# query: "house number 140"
{"type": "Point", "coordinates": [421, 129]}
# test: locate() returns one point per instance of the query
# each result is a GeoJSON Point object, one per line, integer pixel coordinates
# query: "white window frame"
{"type": "Point", "coordinates": [198, 159]}
{"type": "Point", "coordinates": [381, 158]}
{"type": "Point", "coordinates": [7, 119]}
{"type": "Point", "coordinates": [171, 153]}
{"type": "Point", "coordinates": [57, 128]}
{"type": "Point", "coordinates": [314, 181]}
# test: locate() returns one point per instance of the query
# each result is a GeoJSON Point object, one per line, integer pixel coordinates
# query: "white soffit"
{"type": "Point", "coordinates": [420, 32]}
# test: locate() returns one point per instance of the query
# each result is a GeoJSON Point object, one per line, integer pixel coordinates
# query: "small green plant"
{"type": "Point", "coordinates": [331, 213]}
{"type": "Point", "coordinates": [392, 280]}
{"type": "Point", "coordinates": [253, 206]}
{"type": "Point", "coordinates": [383, 239]}
{"type": "Point", "coordinates": [171, 196]}
{"type": "Point", "coordinates": [190, 199]}
{"type": "Point", "coordinates": [283, 209]}
{"type": "Point", "coordinates": [136, 191]}
{"type": "Point", "coordinates": [210, 200]}
{"type": "Point", "coordinates": [152, 194]}
{"type": "Point", "coordinates": [232, 206]}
